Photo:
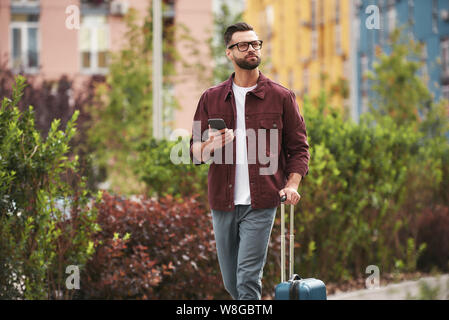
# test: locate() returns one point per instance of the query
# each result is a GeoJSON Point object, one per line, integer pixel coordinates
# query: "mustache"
{"type": "Point", "coordinates": [251, 55]}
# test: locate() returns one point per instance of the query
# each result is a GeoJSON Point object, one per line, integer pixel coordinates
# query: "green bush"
{"type": "Point", "coordinates": [45, 223]}
{"type": "Point", "coordinates": [165, 168]}
{"type": "Point", "coordinates": [356, 207]}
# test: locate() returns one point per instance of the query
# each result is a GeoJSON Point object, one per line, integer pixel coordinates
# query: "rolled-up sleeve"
{"type": "Point", "coordinates": [295, 142]}
{"type": "Point", "coordinates": [199, 126]}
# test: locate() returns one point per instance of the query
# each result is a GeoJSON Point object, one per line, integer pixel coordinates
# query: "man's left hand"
{"type": "Point", "coordinates": [293, 196]}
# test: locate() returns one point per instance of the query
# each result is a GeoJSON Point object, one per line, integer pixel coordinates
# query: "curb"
{"type": "Point", "coordinates": [427, 288]}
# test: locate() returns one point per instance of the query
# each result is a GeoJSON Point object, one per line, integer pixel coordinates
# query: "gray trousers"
{"type": "Point", "coordinates": [242, 238]}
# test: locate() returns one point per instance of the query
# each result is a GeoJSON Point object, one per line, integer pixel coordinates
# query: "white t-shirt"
{"type": "Point", "coordinates": [241, 189]}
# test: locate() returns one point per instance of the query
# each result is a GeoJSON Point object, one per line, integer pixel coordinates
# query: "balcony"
{"type": "Point", "coordinates": [26, 7]}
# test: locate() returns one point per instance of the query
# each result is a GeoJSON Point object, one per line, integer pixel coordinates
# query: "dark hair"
{"type": "Point", "coordinates": [240, 26]}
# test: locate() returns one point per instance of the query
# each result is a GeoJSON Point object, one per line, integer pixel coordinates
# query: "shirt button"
{"type": "Point", "coordinates": [230, 186]}
{"type": "Point", "coordinates": [247, 117]}
{"type": "Point", "coordinates": [275, 125]}
{"type": "Point", "coordinates": [230, 206]}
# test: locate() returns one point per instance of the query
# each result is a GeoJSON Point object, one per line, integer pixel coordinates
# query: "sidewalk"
{"type": "Point", "coordinates": [429, 288]}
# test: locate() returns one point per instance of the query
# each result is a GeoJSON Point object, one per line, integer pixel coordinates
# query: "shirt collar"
{"type": "Point", "coordinates": [259, 91]}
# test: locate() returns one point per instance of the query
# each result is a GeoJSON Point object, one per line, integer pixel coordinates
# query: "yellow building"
{"type": "Point", "coordinates": [306, 44]}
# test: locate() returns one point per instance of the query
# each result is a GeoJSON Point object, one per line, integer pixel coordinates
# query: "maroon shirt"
{"type": "Point", "coordinates": [268, 106]}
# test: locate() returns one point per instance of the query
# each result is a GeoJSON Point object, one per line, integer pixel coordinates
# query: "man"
{"type": "Point", "coordinates": [243, 197]}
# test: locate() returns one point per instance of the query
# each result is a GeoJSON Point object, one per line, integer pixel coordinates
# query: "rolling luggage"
{"type": "Point", "coordinates": [295, 288]}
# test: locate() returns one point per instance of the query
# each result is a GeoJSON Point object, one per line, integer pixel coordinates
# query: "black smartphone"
{"type": "Point", "coordinates": [217, 123]}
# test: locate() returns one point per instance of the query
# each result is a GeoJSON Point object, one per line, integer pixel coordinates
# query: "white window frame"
{"type": "Point", "coordinates": [24, 26]}
{"type": "Point", "coordinates": [93, 28]}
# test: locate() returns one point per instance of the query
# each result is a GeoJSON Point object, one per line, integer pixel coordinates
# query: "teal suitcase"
{"type": "Point", "coordinates": [295, 288]}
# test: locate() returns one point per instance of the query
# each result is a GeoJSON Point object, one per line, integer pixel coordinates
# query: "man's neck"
{"type": "Point", "coordinates": [246, 78]}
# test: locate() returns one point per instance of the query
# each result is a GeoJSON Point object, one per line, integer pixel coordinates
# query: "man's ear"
{"type": "Point", "coordinates": [229, 54]}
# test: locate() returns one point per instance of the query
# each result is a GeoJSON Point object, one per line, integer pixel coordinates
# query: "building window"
{"type": "Point", "coordinates": [321, 8]}
{"type": "Point", "coordinates": [338, 48]}
{"type": "Point", "coordinates": [435, 16]}
{"type": "Point", "coordinates": [424, 58]}
{"type": "Point", "coordinates": [313, 8]}
{"type": "Point", "coordinates": [291, 79]}
{"type": "Point", "coordinates": [382, 23]}
{"type": "Point", "coordinates": [364, 69]}
{"type": "Point", "coordinates": [411, 12]}
{"type": "Point", "coordinates": [445, 56]}
{"type": "Point", "coordinates": [445, 92]}
{"type": "Point", "coordinates": [94, 44]}
{"type": "Point", "coordinates": [391, 15]}
{"type": "Point", "coordinates": [411, 17]}
{"type": "Point", "coordinates": [337, 11]}
{"type": "Point", "coordinates": [314, 44]}
{"type": "Point", "coordinates": [25, 43]}
{"type": "Point", "coordinates": [305, 81]}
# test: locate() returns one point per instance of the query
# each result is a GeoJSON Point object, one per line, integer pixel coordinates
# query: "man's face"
{"type": "Point", "coordinates": [249, 59]}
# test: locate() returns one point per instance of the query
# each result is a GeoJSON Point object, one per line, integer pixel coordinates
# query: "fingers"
{"type": "Point", "coordinates": [292, 195]}
{"type": "Point", "coordinates": [222, 137]}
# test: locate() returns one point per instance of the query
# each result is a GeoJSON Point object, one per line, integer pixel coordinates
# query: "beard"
{"type": "Point", "coordinates": [246, 64]}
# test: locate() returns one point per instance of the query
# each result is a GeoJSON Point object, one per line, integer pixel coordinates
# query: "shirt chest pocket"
{"type": "Point", "coordinates": [270, 124]}
{"type": "Point", "coordinates": [270, 130]}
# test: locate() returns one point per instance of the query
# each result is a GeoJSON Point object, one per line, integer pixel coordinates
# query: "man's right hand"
{"type": "Point", "coordinates": [219, 138]}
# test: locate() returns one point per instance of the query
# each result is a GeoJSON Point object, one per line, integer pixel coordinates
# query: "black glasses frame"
{"type": "Point", "coordinates": [248, 43]}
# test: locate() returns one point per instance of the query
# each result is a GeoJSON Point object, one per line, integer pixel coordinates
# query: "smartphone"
{"type": "Point", "coordinates": [217, 123]}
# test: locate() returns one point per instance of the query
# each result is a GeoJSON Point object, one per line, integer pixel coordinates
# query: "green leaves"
{"type": "Point", "coordinates": [45, 223]}
{"type": "Point", "coordinates": [162, 176]}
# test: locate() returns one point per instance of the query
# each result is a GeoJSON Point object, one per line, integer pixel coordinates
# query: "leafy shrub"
{"type": "Point", "coordinates": [433, 229]}
{"type": "Point", "coordinates": [153, 249]}
{"type": "Point", "coordinates": [56, 99]}
{"type": "Point", "coordinates": [162, 176]}
{"type": "Point", "coordinates": [39, 237]}
{"type": "Point", "coordinates": [367, 185]}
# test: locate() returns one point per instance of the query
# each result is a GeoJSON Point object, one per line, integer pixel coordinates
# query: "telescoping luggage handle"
{"type": "Point", "coordinates": [292, 239]}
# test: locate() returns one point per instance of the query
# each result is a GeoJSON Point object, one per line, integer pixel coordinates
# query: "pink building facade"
{"type": "Point", "coordinates": [46, 39]}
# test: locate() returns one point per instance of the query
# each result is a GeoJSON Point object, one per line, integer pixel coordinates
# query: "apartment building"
{"type": "Point", "coordinates": [44, 39]}
{"type": "Point", "coordinates": [307, 44]}
{"type": "Point", "coordinates": [423, 21]}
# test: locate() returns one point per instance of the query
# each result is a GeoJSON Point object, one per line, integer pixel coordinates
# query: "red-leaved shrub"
{"type": "Point", "coordinates": [170, 253]}
{"type": "Point", "coordinates": [433, 229]}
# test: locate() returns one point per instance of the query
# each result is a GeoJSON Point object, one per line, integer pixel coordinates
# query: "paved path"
{"type": "Point", "coordinates": [423, 289]}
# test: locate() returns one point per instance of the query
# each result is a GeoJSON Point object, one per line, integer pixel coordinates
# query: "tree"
{"type": "Point", "coordinates": [122, 111]}
{"type": "Point", "coordinates": [223, 67]}
{"type": "Point", "coordinates": [401, 93]}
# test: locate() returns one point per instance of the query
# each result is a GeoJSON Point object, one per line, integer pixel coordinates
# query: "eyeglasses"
{"type": "Point", "coordinates": [244, 46]}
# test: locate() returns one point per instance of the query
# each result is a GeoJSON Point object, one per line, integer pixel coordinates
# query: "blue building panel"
{"type": "Point", "coordinates": [424, 20]}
